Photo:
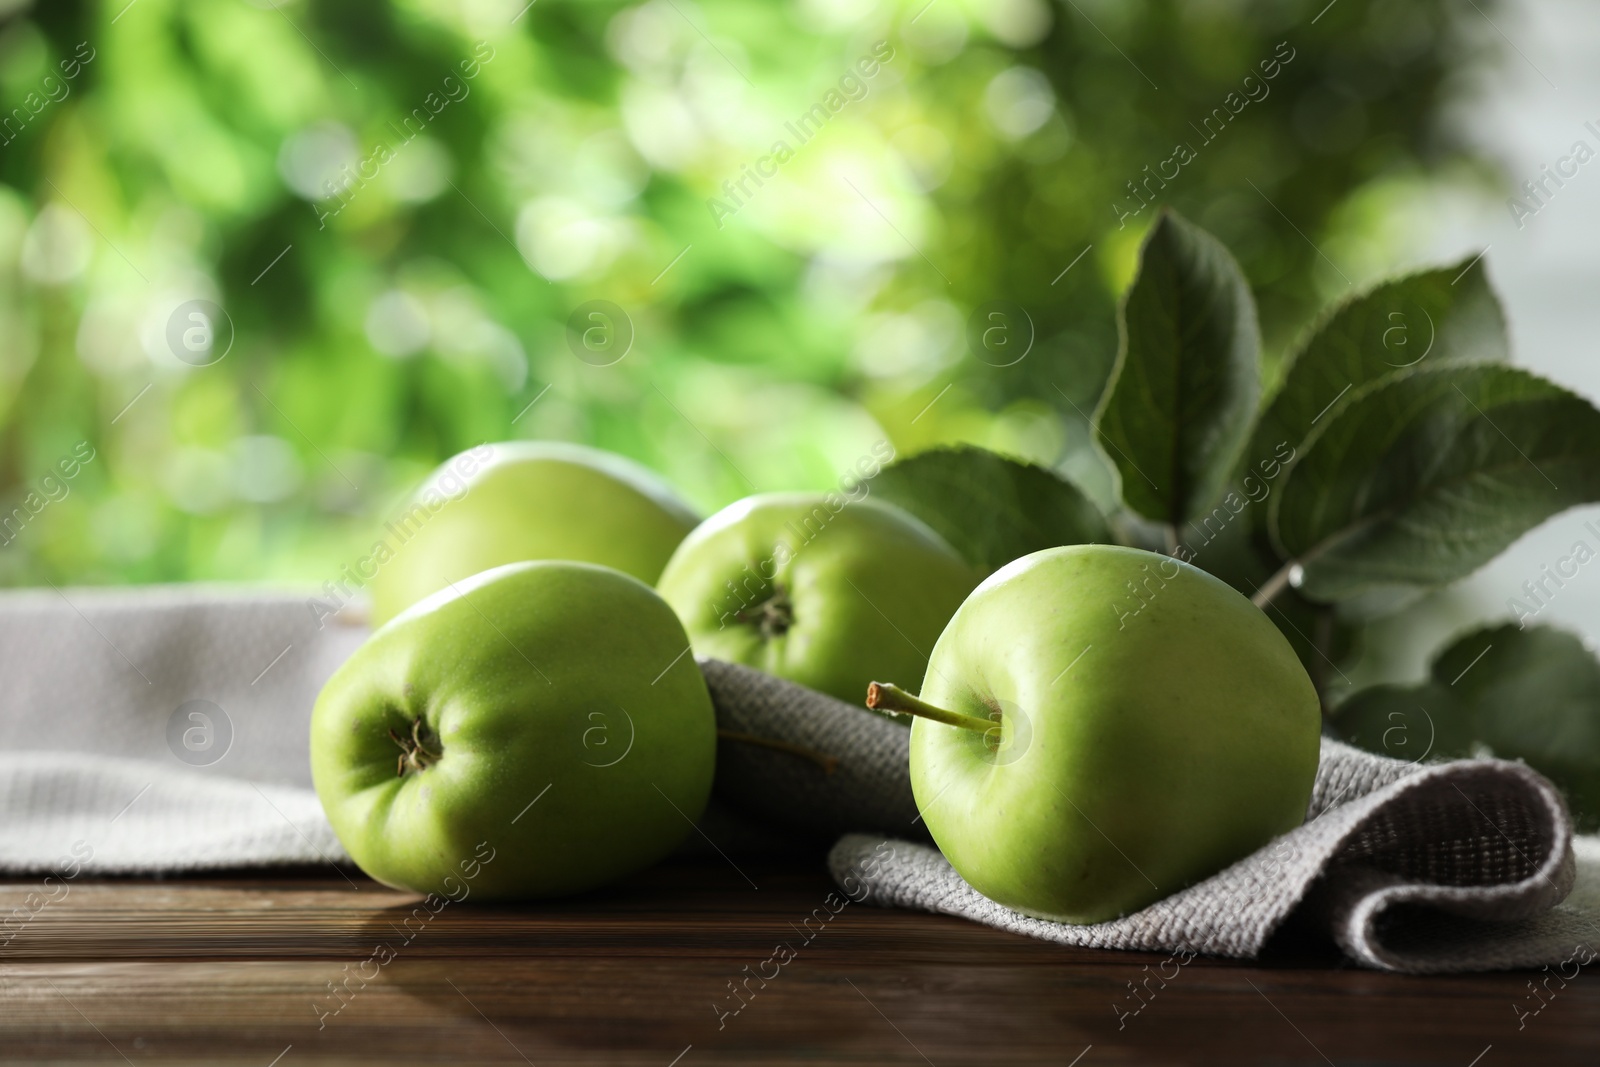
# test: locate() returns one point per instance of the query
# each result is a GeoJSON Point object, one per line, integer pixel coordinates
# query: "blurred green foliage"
{"type": "Point", "coordinates": [393, 296]}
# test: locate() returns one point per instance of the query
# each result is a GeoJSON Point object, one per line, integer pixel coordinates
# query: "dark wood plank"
{"type": "Point", "coordinates": [238, 969]}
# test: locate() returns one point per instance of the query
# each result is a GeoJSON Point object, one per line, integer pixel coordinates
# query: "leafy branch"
{"type": "Point", "coordinates": [1400, 453]}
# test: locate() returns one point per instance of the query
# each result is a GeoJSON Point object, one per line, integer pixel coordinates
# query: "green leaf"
{"type": "Point", "coordinates": [1422, 477]}
{"type": "Point", "coordinates": [1177, 412]}
{"type": "Point", "coordinates": [1535, 696]}
{"type": "Point", "coordinates": [1530, 694]}
{"type": "Point", "coordinates": [991, 509]}
{"type": "Point", "coordinates": [1410, 723]}
{"type": "Point", "coordinates": [1314, 631]}
{"type": "Point", "coordinates": [1431, 317]}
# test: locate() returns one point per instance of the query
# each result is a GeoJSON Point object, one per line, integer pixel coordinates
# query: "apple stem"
{"type": "Point", "coordinates": [415, 755]}
{"type": "Point", "coordinates": [884, 696]}
{"type": "Point", "coordinates": [828, 763]}
{"type": "Point", "coordinates": [1274, 585]}
{"type": "Point", "coordinates": [773, 616]}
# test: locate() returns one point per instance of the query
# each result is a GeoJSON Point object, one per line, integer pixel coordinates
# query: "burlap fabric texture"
{"type": "Point", "coordinates": [1461, 866]}
{"type": "Point", "coordinates": [105, 770]}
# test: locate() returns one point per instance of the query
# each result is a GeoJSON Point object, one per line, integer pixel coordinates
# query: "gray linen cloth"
{"type": "Point", "coordinates": [1462, 866]}
{"type": "Point", "coordinates": [161, 728]}
{"type": "Point", "coordinates": [165, 730]}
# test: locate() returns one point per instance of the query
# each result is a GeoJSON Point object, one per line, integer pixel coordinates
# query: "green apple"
{"type": "Point", "coordinates": [1153, 728]}
{"type": "Point", "coordinates": [821, 589]}
{"type": "Point", "coordinates": [541, 713]}
{"type": "Point", "coordinates": [523, 500]}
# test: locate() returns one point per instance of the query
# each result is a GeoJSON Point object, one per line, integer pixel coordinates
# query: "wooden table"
{"type": "Point", "coordinates": [241, 970]}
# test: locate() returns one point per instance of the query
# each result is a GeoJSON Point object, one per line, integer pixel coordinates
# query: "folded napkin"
{"type": "Point", "coordinates": [162, 728]}
{"type": "Point", "coordinates": [1462, 866]}
{"type": "Point", "coordinates": [71, 813]}
{"type": "Point", "coordinates": [165, 730]}
{"type": "Point", "coordinates": [124, 671]}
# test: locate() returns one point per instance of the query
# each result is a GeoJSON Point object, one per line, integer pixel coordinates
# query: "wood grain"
{"type": "Point", "coordinates": [236, 970]}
